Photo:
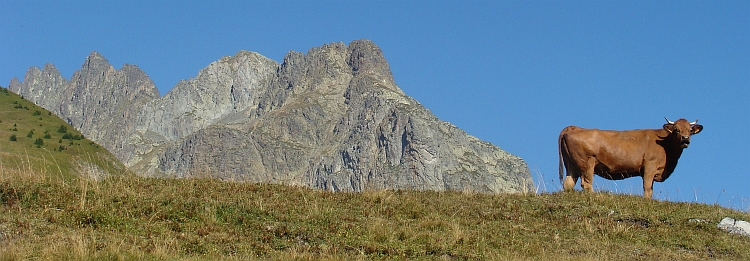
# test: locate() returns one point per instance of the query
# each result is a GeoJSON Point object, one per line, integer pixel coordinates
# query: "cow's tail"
{"type": "Point", "coordinates": [562, 148]}
{"type": "Point", "coordinates": [559, 154]}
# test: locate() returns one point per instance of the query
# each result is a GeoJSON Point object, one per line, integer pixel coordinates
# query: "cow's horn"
{"type": "Point", "coordinates": [668, 121]}
{"type": "Point", "coordinates": [695, 122]}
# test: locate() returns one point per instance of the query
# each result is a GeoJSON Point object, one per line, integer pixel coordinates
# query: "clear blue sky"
{"type": "Point", "coordinates": [513, 73]}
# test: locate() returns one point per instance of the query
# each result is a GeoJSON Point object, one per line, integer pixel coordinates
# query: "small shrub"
{"type": "Point", "coordinates": [31, 134]}
{"type": "Point", "coordinates": [13, 137]}
{"type": "Point", "coordinates": [62, 129]}
{"type": "Point", "coordinates": [39, 142]}
{"type": "Point", "coordinates": [36, 113]}
{"type": "Point", "coordinates": [47, 136]}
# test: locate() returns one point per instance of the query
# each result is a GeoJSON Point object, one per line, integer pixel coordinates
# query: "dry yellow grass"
{"type": "Point", "coordinates": [128, 217]}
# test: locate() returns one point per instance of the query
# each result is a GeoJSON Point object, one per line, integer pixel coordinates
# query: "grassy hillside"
{"type": "Point", "coordinates": [34, 140]}
{"type": "Point", "coordinates": [129, 217]}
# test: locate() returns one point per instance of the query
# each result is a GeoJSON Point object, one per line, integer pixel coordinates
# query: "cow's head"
{"type": "Point", "coordinates": [683, 129]}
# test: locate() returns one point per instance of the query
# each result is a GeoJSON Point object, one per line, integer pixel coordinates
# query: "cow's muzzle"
{"type": "Point", "coordinates": [685, 141]}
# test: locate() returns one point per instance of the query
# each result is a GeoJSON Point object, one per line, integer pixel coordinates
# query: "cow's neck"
{"type": "Point", "coordinates": [673, 148]}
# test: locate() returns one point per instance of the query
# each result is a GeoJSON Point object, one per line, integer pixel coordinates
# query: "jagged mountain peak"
{"type": "Point", "coordinates": [243, 55]}
{"type": "Point", "coordinates": [332, 118]}
{"type": "Point", "coordinates": [95, 60]}
{"type": "Point", "coordinates": [96, 56]}
{"type": "Point", "coordinates": [98, 69]}
{"type": "Point", "coordinates": [50, 69]}
{"type": "Point", "coordinates": [361, 60]}
{"type": "Point", "coordinates": [366, 57]}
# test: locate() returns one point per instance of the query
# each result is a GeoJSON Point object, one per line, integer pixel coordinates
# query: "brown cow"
{"type": "Point", "coordinates": [615, 155]}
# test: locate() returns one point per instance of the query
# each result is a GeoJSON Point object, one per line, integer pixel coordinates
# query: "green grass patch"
{"type": "Point", "coordinates": [36, 141]}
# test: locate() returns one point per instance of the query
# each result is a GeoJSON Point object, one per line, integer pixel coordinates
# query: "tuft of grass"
{"type": "Point", "coordinates": [130, 217]}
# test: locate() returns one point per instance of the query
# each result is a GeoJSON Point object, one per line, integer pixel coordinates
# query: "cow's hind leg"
{"type": "Point", "coordinates": [587, 174]}
{"type": "Point", "coordinates": [571, 175]}
{"type": "Point", "coordinates": [570, 181]}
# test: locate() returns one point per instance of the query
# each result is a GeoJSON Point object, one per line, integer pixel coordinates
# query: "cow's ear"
{"type": "Point", "coordinates": [669, 127]}
{"type": "Point", "coordinates": [696, 129]}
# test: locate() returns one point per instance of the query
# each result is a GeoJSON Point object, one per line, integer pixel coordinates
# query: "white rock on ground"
{"type": "Point", "coordinates": [733, 226]}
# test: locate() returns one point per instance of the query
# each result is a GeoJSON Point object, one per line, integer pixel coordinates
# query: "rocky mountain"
{"type": "Point", "coordinates": [331, 119]}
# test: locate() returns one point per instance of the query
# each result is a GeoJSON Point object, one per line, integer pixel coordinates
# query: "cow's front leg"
{"type": "Point", "coordinates": [648, 181]}
{"type": "Point", "coordinates": [648, 187]}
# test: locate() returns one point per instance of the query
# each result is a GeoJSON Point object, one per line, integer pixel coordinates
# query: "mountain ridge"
{"type": "Point", "coordinates": [332, 119]}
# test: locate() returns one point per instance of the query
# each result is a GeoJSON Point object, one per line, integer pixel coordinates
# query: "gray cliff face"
{"type": "Point", "coordinates": [225, 87]}
{"type": "Point", "coordinates": [331, 119]}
